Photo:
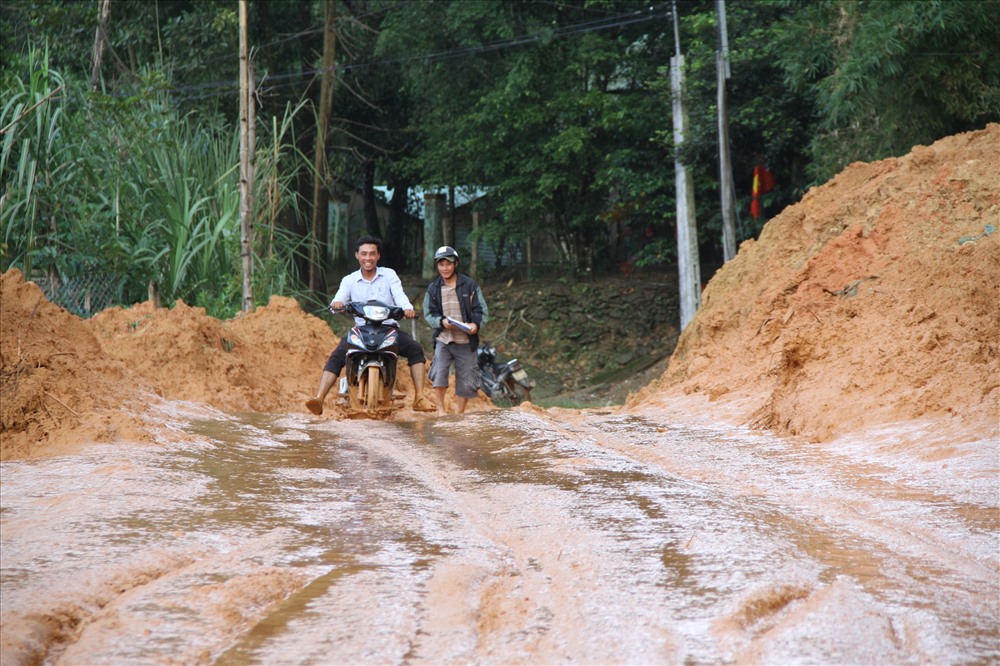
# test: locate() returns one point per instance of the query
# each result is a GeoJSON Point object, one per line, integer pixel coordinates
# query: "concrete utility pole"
{"type": "Point", "coordinates": [688, 266]}
{"type": "Point", "coordinates": [247, 146]}
{"type": "Point", "coordinates": [725, 166]}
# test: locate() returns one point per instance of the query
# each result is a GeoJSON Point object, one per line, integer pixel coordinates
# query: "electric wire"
{"type": "Point", "coordinates": [210, 89]}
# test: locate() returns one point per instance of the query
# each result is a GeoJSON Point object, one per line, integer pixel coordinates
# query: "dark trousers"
{"type": "Point", "coordinates": [409, 348]}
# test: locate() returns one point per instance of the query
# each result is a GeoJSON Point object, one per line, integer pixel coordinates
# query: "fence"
{"type": "Point", "coordinates": [85, 295]}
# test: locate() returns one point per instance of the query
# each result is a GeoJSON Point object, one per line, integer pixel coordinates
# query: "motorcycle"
{"type": "Point", "coordinates": [372, 354]}
{"type": "Point", "coordinates": [505, 383]}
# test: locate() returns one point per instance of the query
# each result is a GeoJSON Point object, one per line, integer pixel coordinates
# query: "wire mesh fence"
{"type": "Point", "coordinates": [84, 295]}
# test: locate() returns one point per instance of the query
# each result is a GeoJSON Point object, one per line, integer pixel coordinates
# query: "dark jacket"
{"type": "Point", "coordinates": [470, 299]}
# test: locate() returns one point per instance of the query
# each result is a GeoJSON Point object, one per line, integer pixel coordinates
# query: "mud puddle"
{"type": "Point", "coordinates": [503, 537]}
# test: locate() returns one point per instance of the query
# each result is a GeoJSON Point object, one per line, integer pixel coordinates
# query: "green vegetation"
{"type": "Point", "coordinates": [133, 190]}
{"type": "Point", "coordinates": [560, 109]}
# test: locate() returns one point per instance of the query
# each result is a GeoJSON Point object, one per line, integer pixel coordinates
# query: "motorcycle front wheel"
{"type": "Point", "coordinates": [373, 387]}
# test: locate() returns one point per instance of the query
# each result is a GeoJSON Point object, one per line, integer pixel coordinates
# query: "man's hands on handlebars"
{"type": "Point", "coordinates": [337, 307]}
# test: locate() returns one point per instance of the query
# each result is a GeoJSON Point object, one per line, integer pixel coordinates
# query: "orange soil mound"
{"type": "Point", "coordinates": [875, 299]}
{"type": "Point", "coordinates": [268, 360]}
{"type": "Point", "coordinates": [56, 385]}
{"type": "Point", "coordinates": [65, 381]}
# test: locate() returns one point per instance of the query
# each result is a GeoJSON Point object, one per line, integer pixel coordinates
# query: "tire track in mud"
{"type": "Point", "coordinates": [533, 600]}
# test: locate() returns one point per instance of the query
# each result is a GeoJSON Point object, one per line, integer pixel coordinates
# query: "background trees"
{"type": "Point", "coordinates": [885, 76]}
{"type": "Point", "coordinates": [560, 109]}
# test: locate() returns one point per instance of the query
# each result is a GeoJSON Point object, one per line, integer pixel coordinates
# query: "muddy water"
{"type": "Point", "coordinates": [503, 537]}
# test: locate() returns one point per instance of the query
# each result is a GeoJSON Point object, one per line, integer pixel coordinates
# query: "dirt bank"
{"type": "Point", "coordinates": [580, 337]}
{"type": "Point", "coordinates": [875, 299]}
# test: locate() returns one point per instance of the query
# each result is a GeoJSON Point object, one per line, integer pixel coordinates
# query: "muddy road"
{"type": "Point", "coordinates": [514, 536]}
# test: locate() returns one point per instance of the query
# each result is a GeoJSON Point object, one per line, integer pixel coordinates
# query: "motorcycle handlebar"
{"type": "Point", "coordinates": [354, 308]}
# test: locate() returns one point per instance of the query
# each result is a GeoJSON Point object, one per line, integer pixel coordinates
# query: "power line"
{"type": "Point", "coordinates": [286, 79]}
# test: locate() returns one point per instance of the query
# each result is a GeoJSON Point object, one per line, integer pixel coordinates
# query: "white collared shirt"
{"type": "Point", "coordinates": [385, 286]}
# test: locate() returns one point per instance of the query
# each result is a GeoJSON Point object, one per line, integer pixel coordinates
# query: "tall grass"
{"type": "Point", "coordinates": [191, 209]}
{"type": "Point", "coordinates": [34, 166]}
{"type": "Point", "coordinates": [128, 187]}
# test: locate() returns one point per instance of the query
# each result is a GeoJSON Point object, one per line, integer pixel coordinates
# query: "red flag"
{"type": "Point", "coordinates": [763, 182]}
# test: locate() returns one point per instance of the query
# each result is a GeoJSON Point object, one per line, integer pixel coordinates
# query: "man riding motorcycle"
{"type": "Point", "coordinates": [373, 282]}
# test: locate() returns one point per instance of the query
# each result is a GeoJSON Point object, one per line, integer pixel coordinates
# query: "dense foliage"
{"type": "Point", "coordinates": [559, 109]}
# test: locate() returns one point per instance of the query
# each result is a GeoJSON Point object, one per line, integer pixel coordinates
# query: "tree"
{"type": "Point", "coordinates": [886, 76]}
{"type": "Point", "coordinates": [321, 175]}
{"type": "Point", "coordinates": [555, 121]}
{"type": "Point", "coordinates": [767, 122]}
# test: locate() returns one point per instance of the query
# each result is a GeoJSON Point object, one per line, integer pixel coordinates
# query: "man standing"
{"type": "Point", "coordinates": [455, 308]}
{"type": "Point", "coordinates": [373, 282]}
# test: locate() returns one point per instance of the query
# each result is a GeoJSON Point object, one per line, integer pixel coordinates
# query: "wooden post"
{"type": "Point", "coordinates": [434, 210]}
{"type": "Point", "coordinates": [246, 161]}
{"type": "Point", "coordinates": [474, 245]}
{"type": "Point", "coordinates": [317, 252]}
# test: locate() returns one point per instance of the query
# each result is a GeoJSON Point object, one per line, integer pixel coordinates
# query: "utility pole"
{"type": "Point", "coordinates": [725, 166]}
{"type": "Point", "coordinates": [247, 141]}
{"type": "Point", "coordinates": [688, 266]}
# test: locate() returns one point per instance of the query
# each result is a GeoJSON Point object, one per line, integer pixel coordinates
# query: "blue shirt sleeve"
{"type": "Point", "coordinates": [396, 289]}
{"type": "Point", "coordinates": [343, 294]}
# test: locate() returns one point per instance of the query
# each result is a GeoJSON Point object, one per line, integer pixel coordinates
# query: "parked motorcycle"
{"type": "Point", "coordinates": [372, 354]}
{"type": "Point", "coordinates": [505, 383]}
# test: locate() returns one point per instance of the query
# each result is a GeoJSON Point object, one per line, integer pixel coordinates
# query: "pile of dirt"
{"type": "Point", "coordinates": [57, 387]}
{"type": "Point", "coordinates": [66, 381]}
{"type": "Point", "coordinates": [267, 360]}
{"type": "Point", "coordinates": [875, 299]}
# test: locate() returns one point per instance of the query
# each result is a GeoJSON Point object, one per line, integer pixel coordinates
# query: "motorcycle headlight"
{"type": "Point", "coordinates": [389, 341]}
{"type": "Point", "coordinates": [354, 338]}
{"type": "Point", "coordinates": [376, 312]}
